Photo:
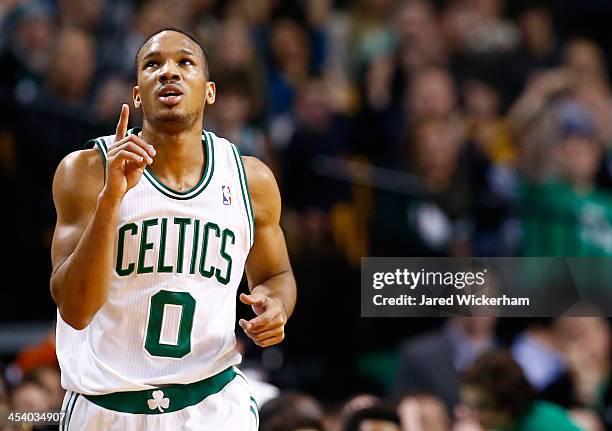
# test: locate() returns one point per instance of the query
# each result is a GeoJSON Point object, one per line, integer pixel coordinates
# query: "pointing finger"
{"type": "Point", "coordinates": [123, 122]}
{"type": "Point", "coordinates": [256, 299]}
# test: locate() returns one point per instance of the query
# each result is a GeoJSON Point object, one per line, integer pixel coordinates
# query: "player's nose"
{"type": "Point", "coordinates": [168, 72]}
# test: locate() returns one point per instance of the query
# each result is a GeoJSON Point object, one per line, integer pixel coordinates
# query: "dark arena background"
{"type": "Point", "coordinates": [394, 128]}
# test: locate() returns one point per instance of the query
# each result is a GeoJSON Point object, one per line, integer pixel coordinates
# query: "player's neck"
{"type": "Point", "coordinates": [179, 158]}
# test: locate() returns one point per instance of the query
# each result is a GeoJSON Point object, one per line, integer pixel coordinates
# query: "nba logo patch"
{"type": "Point", "coordinates": [227, 195]}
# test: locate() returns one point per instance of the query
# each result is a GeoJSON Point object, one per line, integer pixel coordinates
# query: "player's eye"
{"type": "Point", "coordinates": [150, 63]}
{"type": "Point", "coordinates": [186, 62]}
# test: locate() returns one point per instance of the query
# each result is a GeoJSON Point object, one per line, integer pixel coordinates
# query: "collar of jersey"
{"type": "Point", "coordinates": [204, 180]}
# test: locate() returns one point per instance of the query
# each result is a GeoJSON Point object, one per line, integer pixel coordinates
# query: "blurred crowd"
{"type": "Point", "coordinates": [394, 128]}
{"type": "Point", "coordinates": [554, 375]}
{"type": "Point", "coordinates": [442, 128]}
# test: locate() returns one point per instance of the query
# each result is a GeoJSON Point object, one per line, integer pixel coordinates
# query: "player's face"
{"type": "Point", "coordinates": [172, 86]}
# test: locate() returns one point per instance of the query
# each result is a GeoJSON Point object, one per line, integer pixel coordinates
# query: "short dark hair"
{"type": "Point", "coordinates": [194, 39]}
{"type": "Point", "coordinates": [498, 375]}
{"type": "Point", "coordinates": [380, 413]}
{"type": "Point", "coordinates": [290, 404]}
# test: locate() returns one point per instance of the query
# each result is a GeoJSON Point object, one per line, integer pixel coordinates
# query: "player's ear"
{"type": "Point", "coordinates": [211, 92]}
{"type": "Point", "coordinates": [136, 97]}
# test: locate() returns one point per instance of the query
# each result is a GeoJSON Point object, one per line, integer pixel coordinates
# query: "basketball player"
{"type": "Point", "coordinates": [154, 230]}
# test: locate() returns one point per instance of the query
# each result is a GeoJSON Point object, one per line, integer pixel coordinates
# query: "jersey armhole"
{"type": "Point", "coordinates": [101, 146]}
{"type": "Point", "coordinates": [246, 194]}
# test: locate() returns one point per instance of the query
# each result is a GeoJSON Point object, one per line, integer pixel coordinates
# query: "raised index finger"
{"type": "Point", "coordinates": [123, 123]}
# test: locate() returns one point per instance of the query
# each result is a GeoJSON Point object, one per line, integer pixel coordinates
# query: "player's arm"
{"type": "Point", "coordinates": [82, 247]}
{"type": "Point", "coordinates": [271, 281]}
{"type": "Point", "coordinates": [87, 207]}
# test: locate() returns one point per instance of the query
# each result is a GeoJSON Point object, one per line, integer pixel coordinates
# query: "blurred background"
{"type": "Point", "coordinates": [394, 128]}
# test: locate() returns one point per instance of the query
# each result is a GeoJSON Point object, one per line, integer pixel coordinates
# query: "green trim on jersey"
{"type": "Point", "coordinates": [178, 397]}
{"type": "Point", "coordinates": [98, 142]}
{"type": "Point", "coordinates": [246, 195]}
{"type": "Point", "coordinates": [195, 190]}
{"type": "Point", "coordinates": [209, 167]}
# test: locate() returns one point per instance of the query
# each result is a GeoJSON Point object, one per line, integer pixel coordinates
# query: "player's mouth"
{"type": "Point", "coordinates": [170, 94]}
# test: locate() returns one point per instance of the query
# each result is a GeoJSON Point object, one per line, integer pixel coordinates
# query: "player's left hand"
{"type": "Point", "coordinates": [268, 327]}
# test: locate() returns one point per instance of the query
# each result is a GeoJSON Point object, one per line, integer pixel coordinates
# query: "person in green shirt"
{"type": "Point", "coordinates": [496, 392]}
{"type": "Point", "coordinates": [568, 214]}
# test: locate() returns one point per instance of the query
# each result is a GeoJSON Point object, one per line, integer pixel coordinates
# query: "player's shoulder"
{"type": "Point", "coordinates": [79, 174]}
{"type": "Point", "coordinates": [259, 176]}
{"type": "Point", "coordinates": [263, 191]}
{"type": "Point", "coordinates": [81, 162]}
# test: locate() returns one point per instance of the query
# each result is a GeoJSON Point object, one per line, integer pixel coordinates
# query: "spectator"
{"type": "Point", "coordinates": [420, 40]}
{"type": "Point", "coordinates": [490, 159]}
{"type": "Point", "coordinates": [72, 68]}
{"type": "Point", "coordinates": [349, 408]}
{"type": "Point", "coordinates": [319, 140]}
{"type": "Point", "coordinates": [489, 32]}
{"type": "Point", "coordinates": [290, 67]}
{"type": "Point", "coordinates": [436, 217]}
{"type": "Point", "coordinates": [540, 47]}
{"type": "Point", "coordinates": [114, 92]}
{"type": "Point", "coordinates": [84, 17]}
{"type": "Point", "coordinates": [374, 419]}
{"type": "Point", "coordinates": [232, 115]}
{"type": "Point", "coordinates": [424, 412]}
{"type": "Point", "coordinates": [371, 36]}
{"type": "Point", "coordinates": [585, 58]}
{"type": "Point", "coordinates": [537, 352]}
{"type": "Point", "coordinates": [30, 396]}
{"type": "Point", "coordinates": [500, 397]}
{"type": "Point", "coordinates": [585, 345]}
{"type": "Point", "coordinates": [117, 56]}
{"type": "Point", "coordinates": [49, 378]}
{"type": "Point", "coordinates": [318, 132]}
{"type": "Point", "coordinates": [432, 362]}
{"type": "Point", "coordinates": [431, 94]}
{"type": "Point", "coordinates": [236, 56]}
{"type": "Point", "coordinates": [41, 355]}
{"type": "Point", "coordinates": [576, 212]}
{"type": "Point", "coordinates": [291, 411]}
{"type": "Point", "coordinates": [25, 54]}
{"type": "Point", "coordinates": [4, 396]}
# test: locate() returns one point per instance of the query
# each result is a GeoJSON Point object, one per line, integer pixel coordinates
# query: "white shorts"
{"type": "Point", "coordinates": [232, 408]}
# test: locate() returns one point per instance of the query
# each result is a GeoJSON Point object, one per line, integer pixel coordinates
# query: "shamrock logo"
{"type": "Point", "coordinates": [158, 401]}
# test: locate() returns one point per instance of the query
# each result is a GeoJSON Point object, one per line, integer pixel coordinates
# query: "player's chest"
{"type": "Point", "coordinates": [204, 236]}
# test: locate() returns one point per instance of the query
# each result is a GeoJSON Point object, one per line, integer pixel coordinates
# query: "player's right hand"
{"type": "Point", "coordinates": [127, 159]}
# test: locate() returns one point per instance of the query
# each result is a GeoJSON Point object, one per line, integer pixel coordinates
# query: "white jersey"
{"type": "Point", "coordinates": [171, 308]}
